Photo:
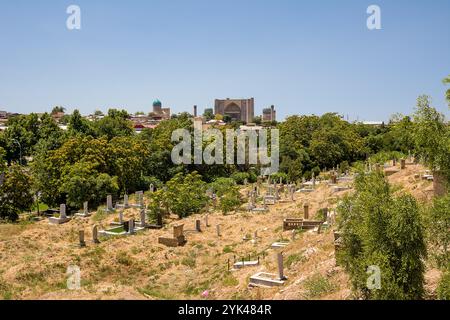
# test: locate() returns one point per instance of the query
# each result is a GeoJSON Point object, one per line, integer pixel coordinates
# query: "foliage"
{"type": "Point", "coordinates": [438, 229]}
{"type": "Point", "coordinates": [15, 193]}
{"type": "Point", "coordinates": [230, 200]}
{"type": "Point", "coordinates": [185, 194]}
{"type": "Point", "coordinates": [432, 136]}
{"type": "Point", "coordinates": [443, 290]}
{"type": "Point", "coordinates": [380, 229]}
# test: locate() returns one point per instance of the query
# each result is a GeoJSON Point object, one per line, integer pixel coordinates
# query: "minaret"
{"type": "Point", "coordinates": [195, 111]}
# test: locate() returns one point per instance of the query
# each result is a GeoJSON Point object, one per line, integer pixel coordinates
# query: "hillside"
{"type": "Point", "coordinates": [34, 256]}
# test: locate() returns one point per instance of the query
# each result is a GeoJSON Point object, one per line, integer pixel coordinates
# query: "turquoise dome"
{"type": "Point", "coordinates": [157, 103]}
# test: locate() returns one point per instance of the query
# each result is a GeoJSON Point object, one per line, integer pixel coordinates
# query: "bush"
{"type": "Point", "coordinates": [443, 289]}
{"type": "Point", "coordinates": [381, 230]}
{"type": "Point", "coordinates": [239, 177]}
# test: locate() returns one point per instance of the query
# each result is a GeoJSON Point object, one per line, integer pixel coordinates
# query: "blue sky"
{"type": "Point", "coordinates": [305, 57]}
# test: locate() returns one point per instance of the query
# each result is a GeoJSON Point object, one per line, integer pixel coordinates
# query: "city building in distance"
{"type": "Point", "coordinates": [237, 109]}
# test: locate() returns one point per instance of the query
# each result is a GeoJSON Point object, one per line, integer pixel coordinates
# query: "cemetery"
{"type": "Point", "coordinates": [294, 239]}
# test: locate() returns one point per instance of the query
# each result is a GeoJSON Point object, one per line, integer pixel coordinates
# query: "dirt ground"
{"type": "Point", "coordinates": [34, 256]}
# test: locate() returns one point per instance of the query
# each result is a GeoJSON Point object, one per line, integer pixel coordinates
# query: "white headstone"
{"type": "Point", "coordinates": [85, 208]}
{"type": "Point", "coordinates": [109, 205]}
{"type": "Point", "coordinates": [62, 211]}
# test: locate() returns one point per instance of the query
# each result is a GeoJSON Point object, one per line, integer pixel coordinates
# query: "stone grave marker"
{"type": "Point", "coordinates": [95, 234]}
{"type": "Point", "coordinates": [81, 236]}
{"type": "Point", "coordinates": [143, 224]}
{"type": "Point", "coordinates": [109, 205]}
{"type": "Point", "coordinates": [306, 211]}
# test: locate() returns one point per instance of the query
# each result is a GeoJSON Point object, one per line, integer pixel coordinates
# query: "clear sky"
{"type": "Point", "coordinates": [305, 57]}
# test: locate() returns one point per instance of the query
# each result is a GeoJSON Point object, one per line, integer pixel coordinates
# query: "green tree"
{"type": "Point", "coordinates": [446, 81]}
{"type": "Point", "coordinates": [380, 229]}
{"type": "Point", "coordinates": [439, 226]}
{"type": "Point", "coordinates": [15, 193]}
{"type": "Point", "coordinates": [432, 137]}
{"type": "Point", "coordinates": [208, 114]}
{"type": "Point", "coordinates": [186, 195]}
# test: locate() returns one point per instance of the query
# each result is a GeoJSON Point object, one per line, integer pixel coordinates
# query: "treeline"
{"type": "Point", "coordinates": [94, 158]}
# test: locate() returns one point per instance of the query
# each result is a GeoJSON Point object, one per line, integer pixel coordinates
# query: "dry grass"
{"type": "Point", "coordinates": [34, 257]}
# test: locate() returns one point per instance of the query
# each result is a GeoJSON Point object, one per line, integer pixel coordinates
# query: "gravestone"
{"type": "Point", "coordinates": [131, 226]}
{"type": "Point", "coordinates": [126, 226]}
{"type": "Point", "coordinates": [280, 266]}
{"type": "Point", "coordinates": [313, 180]}
{"type": "Point", "coordinates": [198, 226]}
{"type": "Point", "coordinates": [62, 212]}
{"type": "Point", "coordinates": [81, 236]}
{"type": "Point", "coordinates": [281, 180]}
{"type": "Point", "coordinates": [245, 181]}
{"type": "Point", "coordinates": [293, 233]}
{"type": "Point", "coordinates": [159, 219]}
{"type": "Point", "coordinates": [125, 202]}
{"type": "Point", "coordinates": [121, 217]}
{"type": "Point", "coordinates": [402, 164]}
{"type": "Point", "coordinates": [95, 234]}
{"type": "Point", "coordinates": [152, 188]}
{"type": "Point", "coordinates": [218, 230]}
{"type": "Point", "coordinates": [206, 220]}
{"type": "Point", "coordinates": [109, 205]}
{"type": "Point", "coordinates": [143, 224]}
{"type": "Point", "coordinates": [306, 211]}
{"type": "Point", "coordinates": [85, 208]}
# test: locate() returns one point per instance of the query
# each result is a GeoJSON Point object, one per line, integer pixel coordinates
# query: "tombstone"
{"type": "Point", "coordinates": [81, 236]}
{"type": "Point", "coordinates": [292, 192]}
{"type": "Point", "coordinates": [281, 180]}
{"type": "Point", "coordinates": [245, 181]}
{"type": "Point", "coordinates": [62, 211]}
{"type": "Point", "coordinates": [313, 180]}
{"type": "Point", "coordinates": [402, 164]}
{"type": "Point", "coordinates": [333, 178]}
{"type": "Point", "coordinates": [126, 226]}
{"type": "Point", "coordinates": [141, 199]}
{"type": "Point", "coordinates": [280, 266]}
{"type": "Point", "coordinates": [95, 234]}
{"type": "Point", "coordinates": [109, 205]}
{"type": "Point", "coordinates": [152, 188]}
{"type": "Point", "coordinates": [178, 231]}
{"type": "Point", "coordinates": [206, 221]}
{"type": "Point", "coordinates": [394, 162]}
{"type": "Point", "coordinates": [121, 217]}
{"type": "Point", "coordinates": [306, 211]}
{"type": "Point", "coordinates": [142, 217]}
{"type": "Point", "coordinates": [293, 233]}
{"type": "Point", "coordinates": [218, 230]}
{"type": "Point", "coordinates": [269, 180]}
{"type": "Point", "coordinates": [131, 226]}
{"type": "Point", "coordinates": [325, 214]}
{"type": "Point", "coordinates": [125, 201]}
{"type": "Point", "coordinates": [159, 219]}
{"type": "Point", "coordinates": [276, 193]}
{"type": "Point", "coordinates": [85, 208]}
{"type": "Point", "coordinates": [198, 226]}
